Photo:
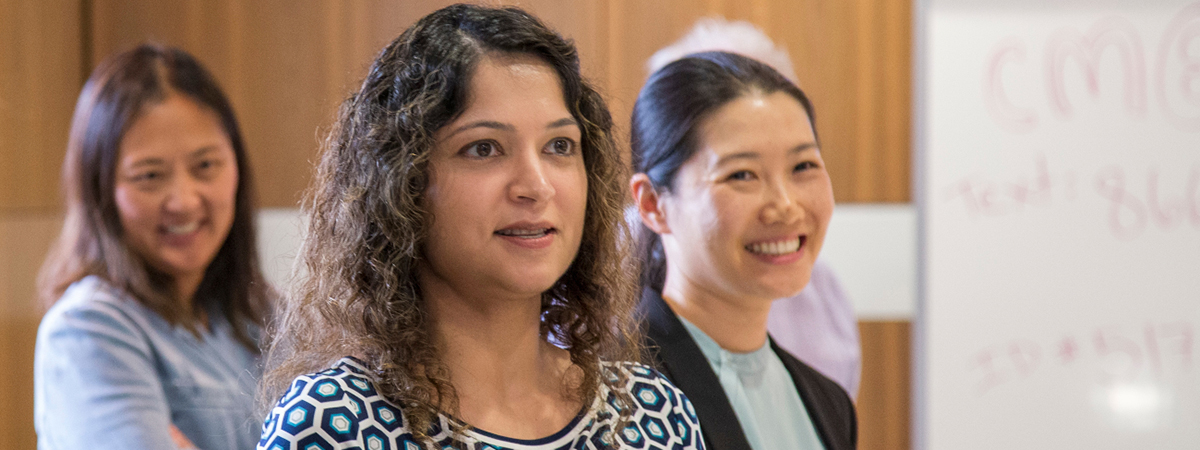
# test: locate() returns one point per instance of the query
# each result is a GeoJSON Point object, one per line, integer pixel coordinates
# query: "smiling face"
{"type": "Point", "coordinates": [747, 214]}
{"type": "Point", "coordinates": [508, 187]}
{"type": "Point", "coordinates": [176, 182]}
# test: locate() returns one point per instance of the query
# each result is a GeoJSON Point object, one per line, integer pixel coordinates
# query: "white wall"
{"type": "Point", "coordinates": [872, 247]}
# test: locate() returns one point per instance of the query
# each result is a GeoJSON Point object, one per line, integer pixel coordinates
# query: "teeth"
{"type": "Point", "coordinates": [183, 229]}
{"type": "Point", "coordinates": [775, 248]}
{"type": "Point", "coordinates": [524, 233]}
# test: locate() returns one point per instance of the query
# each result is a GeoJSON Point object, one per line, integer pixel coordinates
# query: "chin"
{"type": "Point", "coordinates": [783, 288]}
{"type": "Point", "coordinates": [181, 267]}
{"type": "Point", "coordinates": [531, 286]}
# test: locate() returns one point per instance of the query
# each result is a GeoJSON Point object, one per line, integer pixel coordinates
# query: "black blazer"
{"type": "Point", "coordinates": [677, 356]}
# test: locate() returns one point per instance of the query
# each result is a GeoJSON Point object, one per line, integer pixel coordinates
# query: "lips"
{"type": "Point", "coordinates": [181, 234]}
{"type": "Point", "coordinates": [182, 228]}
{"type": "Point", "coordinates": [527, 233]}
{"type": "Point", "coordinates": [778, 247]}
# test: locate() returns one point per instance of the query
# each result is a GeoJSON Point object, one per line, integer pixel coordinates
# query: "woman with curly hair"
{"type": "Point", "coordinates": [463, 254]}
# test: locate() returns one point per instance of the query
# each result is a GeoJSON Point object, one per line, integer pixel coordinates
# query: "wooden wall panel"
{"type": "Point", "coordinates": [852, 58]}
{"type": "Point", "coordinates": [40, 76]}
{"type": "Point", "coordinates": [288, 64]}
{"type": "Point", "coordinates": [884, 395]}
{"type": "Point", "coordinates": [24, 240]}
{"type": "Point", "coordinates": [272, 58]}
{"type": "Point", "coordinates": [40, 70]}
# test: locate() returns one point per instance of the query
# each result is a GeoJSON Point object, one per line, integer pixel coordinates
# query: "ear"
{"type": "Point", "coordinates": [648, 203]}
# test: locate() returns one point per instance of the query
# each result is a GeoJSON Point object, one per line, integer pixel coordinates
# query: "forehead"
{"type": "Point", "coordinates": [509, 84]}
{"type": "Point", "coordinates": [176, 124]}
{"type": "Point", "coordinates": [756, 123]}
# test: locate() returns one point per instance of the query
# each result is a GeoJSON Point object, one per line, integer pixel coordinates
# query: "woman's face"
{"type": "Point", "coordinates": [508, 186]}
{"type": "Point", "coordinates": [747, 213]}
{"type": "Point", "coordinates": [176, 183]}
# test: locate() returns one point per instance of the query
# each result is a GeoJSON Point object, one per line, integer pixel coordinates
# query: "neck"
{"type": "Point", "coordinates": [738, 325]}
{"type": "Point", "coordinates": [508, 379]}
{"type": "Point", "coordinates": [185, 290]}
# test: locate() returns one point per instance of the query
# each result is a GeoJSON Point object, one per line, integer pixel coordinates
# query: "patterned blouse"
{"type": "Point", "coordinates": [340, 409]}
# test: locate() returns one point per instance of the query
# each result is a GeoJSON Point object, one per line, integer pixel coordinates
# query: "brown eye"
{"type": "Point", "coordinates": [741, 175]}
{"type": "Point", "coordinates": [481, 149]}
{"type": "Point", "coordinates": [804, 166]}
{"type": "Point", "coordinates": [562, 146]}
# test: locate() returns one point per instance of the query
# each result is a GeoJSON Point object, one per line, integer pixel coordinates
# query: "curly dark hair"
{"type": "Point", "coordinates": [356, 290]}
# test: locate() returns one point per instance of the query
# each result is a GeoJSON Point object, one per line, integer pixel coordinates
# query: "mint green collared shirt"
{"type": "Point", "coordinates": [762, 394]}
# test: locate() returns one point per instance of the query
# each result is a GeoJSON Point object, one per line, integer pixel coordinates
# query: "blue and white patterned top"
{"type": "Point", "coordinates": [340, 409]}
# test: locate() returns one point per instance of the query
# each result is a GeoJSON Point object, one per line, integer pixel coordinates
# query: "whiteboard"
{"type": "Point", "coordinates": [1059, 210]}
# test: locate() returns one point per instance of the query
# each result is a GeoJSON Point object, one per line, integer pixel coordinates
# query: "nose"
{"type": "Point", "coordinates": [184, 196]}
{"type": "Point", "coordinates": [781, 206]}
{"type": "Point", "coordinates": [530, 183]}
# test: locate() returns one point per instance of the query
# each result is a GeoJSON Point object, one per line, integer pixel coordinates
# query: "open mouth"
{"type": "Point", "coordinates": [776, 248]}
{"type": "Point", "coordinates": [526, 233]}
{"type": "Point", "coordinates": [182, 228]}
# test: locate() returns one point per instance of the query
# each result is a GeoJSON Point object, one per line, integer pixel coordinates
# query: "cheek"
{"type": "Point", "coordinates": [225, 203]}
{"type": "Point", "coordinates": [822, 203]}
{"type": "Point", "coordinates": [576, 190]}
{"type": "Point", "coordinates": [724, 218]}
{"type": "Point", "coordinates": [457, 204]}
{"type": "Point", "coordinates": [227, 189]}
{"type": "Point", "coordinates": [133, 207]}
{"type": "Point", "coordinates": [704, 226]}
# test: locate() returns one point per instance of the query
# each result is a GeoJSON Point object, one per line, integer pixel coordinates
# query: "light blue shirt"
{"type": "Point", "coordinates": [110, 373]}
{"type": "Point", "coordinates": [762, 394]}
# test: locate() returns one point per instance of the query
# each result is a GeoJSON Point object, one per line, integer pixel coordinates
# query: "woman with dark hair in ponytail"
{"type": "Point", "coordinates": [157, 299]}
{"type": "Point", "coordinates": [735, 200]}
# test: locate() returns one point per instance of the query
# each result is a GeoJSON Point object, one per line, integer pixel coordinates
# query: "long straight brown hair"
{"type": "Point", "coordinates": [92, 241]}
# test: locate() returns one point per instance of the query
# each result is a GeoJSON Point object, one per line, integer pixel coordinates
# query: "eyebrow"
{"type": "Point", "coordinates": [494, 125]}
{"type": "Point", "coordinates": [754, 155]}
{"type": "Point", "coordinates": [159, 161]}
{"type": "Point", "coordinates": [202, 150]}
{"type": "Point", "coordinates": [563, 122]}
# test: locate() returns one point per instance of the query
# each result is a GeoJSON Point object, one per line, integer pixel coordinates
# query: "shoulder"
{"type": "Point", "coordinates": [661, 412]}
{"type": "Point", "coordinates": [335, 407]}
{"type": "Point", "coordinates": [810, 379]}
{"type": "Point", "coordinates": [91, 307]}
{"type": "Point", "coordinates": [648, 387]}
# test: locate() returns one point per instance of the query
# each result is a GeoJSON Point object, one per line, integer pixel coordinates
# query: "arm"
{"type": "Point", "coordinates": [96, 383]}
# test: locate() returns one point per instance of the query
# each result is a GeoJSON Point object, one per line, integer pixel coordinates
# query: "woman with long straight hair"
{"type": "Point", "coordinates": [735, 201]}
{"type": "Point", "coordinates": [464, 283]}
{"type": "Point", "coordinates": [154, 291]}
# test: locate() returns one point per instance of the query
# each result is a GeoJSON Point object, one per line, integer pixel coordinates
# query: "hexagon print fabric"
{"type": "Point", "coordinates": [339, 408]}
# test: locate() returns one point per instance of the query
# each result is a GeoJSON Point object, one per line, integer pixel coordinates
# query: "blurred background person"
{"type": "Point", "coordinates": [818, 325]}
{"type": "Point", "coordinates": [155, 293]}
